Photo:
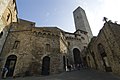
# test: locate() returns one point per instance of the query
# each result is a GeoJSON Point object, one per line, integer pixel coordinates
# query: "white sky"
{"type": "Point", "coordinates": [101, 8]}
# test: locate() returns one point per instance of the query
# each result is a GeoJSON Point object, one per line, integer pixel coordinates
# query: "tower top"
{"type": "Point", "coordinates": [78, 9]}
{"type": "Point", "coordinates": [81, 22]}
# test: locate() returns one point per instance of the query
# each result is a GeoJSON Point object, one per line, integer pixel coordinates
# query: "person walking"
{"type": "Point", "coordinates": [5, 71]}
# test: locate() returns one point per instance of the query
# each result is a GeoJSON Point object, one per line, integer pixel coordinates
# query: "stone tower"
{"type": "Point", "coordinates": [81, 22]}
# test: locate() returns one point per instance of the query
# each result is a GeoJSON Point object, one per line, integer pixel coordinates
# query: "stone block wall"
{"type": "Point", "coordinates": [109, 38]}
{"type": "Point", "coordinates": [33, 44]}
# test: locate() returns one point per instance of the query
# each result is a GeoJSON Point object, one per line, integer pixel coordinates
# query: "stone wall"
{"type": "Point", "coordinates": [109, 38]}
{"type": "Point", "coordinates": [34, 43]}
{"type": "Point", "coordinates": [74, 41]}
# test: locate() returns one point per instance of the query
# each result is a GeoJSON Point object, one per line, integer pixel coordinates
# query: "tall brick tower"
{"type": "Point", "coordinates": [81, 22]}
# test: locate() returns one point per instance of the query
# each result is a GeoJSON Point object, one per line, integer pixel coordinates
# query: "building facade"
{"type": "Point", "coordinates": [103, 52]}
{"type": "Point", "coordinates": [31, 50]}
{"type": "Point", "coordinates": [28, 50]}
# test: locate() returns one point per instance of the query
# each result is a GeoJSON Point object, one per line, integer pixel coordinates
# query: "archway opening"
{"type": "Point", "coordinates": [10, 65]}
{"type": "Point", "coordinates": [77, 58]}
{"type": "Point", "coordinates": [46, 66]}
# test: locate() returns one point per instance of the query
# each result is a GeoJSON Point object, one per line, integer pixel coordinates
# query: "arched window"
{"type": "Point", "coordinates": [39, 33]}
{"type": "Point", "coordinates": [35, 33]}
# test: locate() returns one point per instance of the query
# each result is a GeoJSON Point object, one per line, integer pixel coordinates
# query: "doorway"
{"type": "Point", "coordinates": [10, 65]}
{"type": "Point", "coordinates": [77, 58]}
{"type": "Point", "coordinates": [46, 66]}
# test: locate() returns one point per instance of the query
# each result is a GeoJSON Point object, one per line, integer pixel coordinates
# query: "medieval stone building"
{"type": "Point", "coordinates": [103, 52]}
{"type": "Point", "coordinates": [30, 50]}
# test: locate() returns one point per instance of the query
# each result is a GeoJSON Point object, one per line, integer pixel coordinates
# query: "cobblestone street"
{"type": "Point", "coordinates": [84, 74]}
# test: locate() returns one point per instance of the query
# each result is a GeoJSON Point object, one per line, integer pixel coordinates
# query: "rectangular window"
{"type": "Point", "coordinates": [16, 44]}
{"type": "Point", "coordinates": [48, 47]}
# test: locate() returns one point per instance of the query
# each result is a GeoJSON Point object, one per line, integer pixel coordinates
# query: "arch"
{"type": "Point", "coordinates": [39, 33]}
{"type": "Point", "coordinates": [46, 66]}
{"type": "Point", "coordinates": [77, 58]}
{"type": "Point", "coordinates": [49, 34]}
{"type": "Point", "coordinates": [35, 33]}
{"type": "Point", "coordinates": [103, 55]}
{"type": "Point", "coordinates": [10, 65]}
{"type": "Point", "coordinates": [44, 34]}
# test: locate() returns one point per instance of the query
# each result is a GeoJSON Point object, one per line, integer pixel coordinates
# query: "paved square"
{"type": "Point", "coordinates": [84, 74]}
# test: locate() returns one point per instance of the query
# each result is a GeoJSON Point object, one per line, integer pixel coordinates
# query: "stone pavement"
{"type": "Point", "coordinates": [84, 74]}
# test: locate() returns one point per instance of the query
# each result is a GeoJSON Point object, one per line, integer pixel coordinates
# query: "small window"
{"type": "Point", "coordinates": [83, 38]}
{"type": "Point", "coordinates": [75, 35]}
{"type": "Point", "coordinates": [48, 47]}
{"type": "Point", "coordinates": [1, 34]}
{"type": "Point", "coordinates": [14, 8]}
{"type": "Point", "coordinates": [85, 47]}
{"type": "Point", "coordinates": [77, 17]}
{"type": "Point", "coordinates": [68, 43]}
{"type": "Point", "coordinates": [8, 16]}
{"type": "Point", "coordinates": [16, 44]}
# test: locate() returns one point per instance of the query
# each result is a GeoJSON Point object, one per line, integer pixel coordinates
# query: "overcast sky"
{"type": "Point", "coordinates": [59, 13]}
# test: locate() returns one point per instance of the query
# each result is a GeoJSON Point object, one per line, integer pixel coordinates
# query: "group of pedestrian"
{"type": "Point", "coordinates": [75, 67]}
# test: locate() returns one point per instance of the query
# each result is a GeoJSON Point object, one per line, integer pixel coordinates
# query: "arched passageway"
{"type": "Point", "coordinates": [46, 66]}
{"type": "Point", "coordinates": [77, 58]}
